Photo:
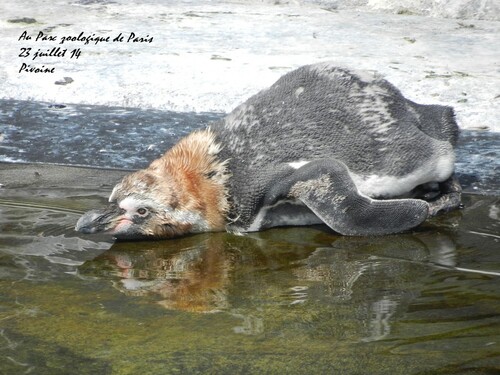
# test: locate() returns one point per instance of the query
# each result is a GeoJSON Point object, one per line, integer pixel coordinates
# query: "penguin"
{"type": "Point", "coordinates": [323, 144]}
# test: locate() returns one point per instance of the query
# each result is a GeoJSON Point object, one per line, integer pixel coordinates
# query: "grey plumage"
{"type": "Point", "coordinates": [322, 145]}
{"type": "Point", "coordinates": [378, 144]}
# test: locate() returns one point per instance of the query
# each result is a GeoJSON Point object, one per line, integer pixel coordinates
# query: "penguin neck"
{"type": "Point", "coordinates": [200, 176]}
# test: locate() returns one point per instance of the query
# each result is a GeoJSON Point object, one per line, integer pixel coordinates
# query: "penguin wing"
{"type": "Point", "coordinates": [326, 188]}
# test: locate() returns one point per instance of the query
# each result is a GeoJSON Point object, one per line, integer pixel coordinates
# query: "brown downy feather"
{"type": "Point", "coordinates": [188, 177]}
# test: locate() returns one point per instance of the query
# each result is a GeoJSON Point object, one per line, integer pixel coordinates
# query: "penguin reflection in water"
{"type": "Point", "coordinates": [322, 145]}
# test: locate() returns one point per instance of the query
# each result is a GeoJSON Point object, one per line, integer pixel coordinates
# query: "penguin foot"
{"type": "Point", "coordinates": [450, 198]}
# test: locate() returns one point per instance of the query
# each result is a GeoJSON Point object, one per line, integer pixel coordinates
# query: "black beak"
{"type": "Point", "coordinates": [96, 221]}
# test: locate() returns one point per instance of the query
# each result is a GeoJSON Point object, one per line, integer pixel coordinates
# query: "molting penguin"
{"type": "Point", "coordinates": [322, 145]}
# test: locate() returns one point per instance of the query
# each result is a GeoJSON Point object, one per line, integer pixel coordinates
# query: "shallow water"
{"type": "Point", "coordinates": [289, 300]}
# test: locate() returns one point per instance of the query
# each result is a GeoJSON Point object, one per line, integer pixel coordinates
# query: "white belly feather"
{"type": "Point", "coordinates": [283, 213]}
{"type": "Point", "coordinates": [437, 169]}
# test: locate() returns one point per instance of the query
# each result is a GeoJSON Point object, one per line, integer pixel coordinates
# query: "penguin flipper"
{"type": "Point", "coordinates": [327, 189]}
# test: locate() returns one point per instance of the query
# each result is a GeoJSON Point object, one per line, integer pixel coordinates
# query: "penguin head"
{"type": "Point", "coordinates": [184, 191]}
{"type": "Point", "coordinates": [144, 206]}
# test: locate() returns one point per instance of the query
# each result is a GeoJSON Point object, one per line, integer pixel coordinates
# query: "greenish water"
{"type": "Point", "coordinates": [283, 301]}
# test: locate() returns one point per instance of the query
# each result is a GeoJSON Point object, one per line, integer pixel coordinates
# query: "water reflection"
{"type": "Point", "coordinates": [430, 295]}
{"type": "Point", "coordinates": [372, 280]}
{"type": "Point", "coordinates": [192, 279]}
{"type": "Point", "coordinates": [375, 276]}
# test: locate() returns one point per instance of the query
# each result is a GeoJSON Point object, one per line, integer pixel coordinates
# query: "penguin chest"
{"type": "Point", "coordinates": [283, 213]}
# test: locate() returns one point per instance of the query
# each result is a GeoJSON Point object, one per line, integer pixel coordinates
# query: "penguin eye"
{"type": "Point", "coordinates": [142, 211]}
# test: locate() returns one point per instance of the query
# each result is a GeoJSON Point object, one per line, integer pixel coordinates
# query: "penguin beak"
{"type": "Point", "coordinates": [103, 220]}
